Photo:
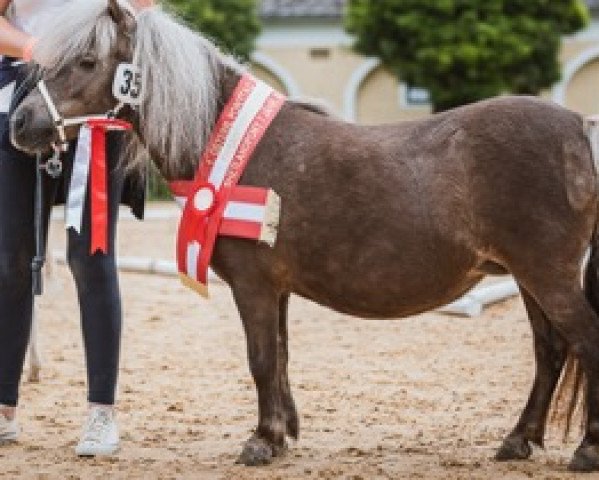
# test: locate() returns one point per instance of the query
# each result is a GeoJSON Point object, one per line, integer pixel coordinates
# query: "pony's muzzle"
{"type": "Point", "coordinates": [30, 132]}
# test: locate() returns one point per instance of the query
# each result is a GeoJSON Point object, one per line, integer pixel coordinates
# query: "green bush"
{"type": "Point", "coordinates": [462, 51]}
{"type": "Point", "coordinates": [157, 186]}
{"type": "Point", "coordinates": [232, 24]}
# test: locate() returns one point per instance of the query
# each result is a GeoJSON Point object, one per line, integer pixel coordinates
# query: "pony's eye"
{"type": "Point", "coordinates": [88, 62]}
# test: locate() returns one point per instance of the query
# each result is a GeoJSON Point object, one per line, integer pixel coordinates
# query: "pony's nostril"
{"type": "Point", "coordinates": [21, 119]}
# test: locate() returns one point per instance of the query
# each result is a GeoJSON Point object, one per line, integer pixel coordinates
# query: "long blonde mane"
{"type": "Point", "coordinates": [180, 71]}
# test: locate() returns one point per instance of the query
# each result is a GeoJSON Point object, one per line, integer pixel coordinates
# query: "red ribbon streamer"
{"type": "Point", "coordinates": [99, 194]}
{"type": "Point", "coordinates": [99, 181]}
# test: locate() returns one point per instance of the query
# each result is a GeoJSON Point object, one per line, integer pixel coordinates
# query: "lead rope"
{"type": "Point", "coordinates": [38, 211]}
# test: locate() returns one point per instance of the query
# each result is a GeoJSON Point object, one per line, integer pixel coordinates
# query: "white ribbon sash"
{"type": "Point", "coordinates": [78, 187]}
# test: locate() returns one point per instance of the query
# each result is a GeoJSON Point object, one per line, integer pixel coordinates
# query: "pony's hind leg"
{"type": "Point", "coordinates": [292, 420]}
{"type": "Point", "coordinates": [550, 354]}
{"type": "Point", "coordinates": [258, 306]}
{"type": "Point", "coordinates": [586, 457]}
{"type": "Point", "coordinates": [570, 312]}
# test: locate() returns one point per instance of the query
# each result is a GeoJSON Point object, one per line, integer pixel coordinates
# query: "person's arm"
{"type": "Point", "coordinates": [13, 42]}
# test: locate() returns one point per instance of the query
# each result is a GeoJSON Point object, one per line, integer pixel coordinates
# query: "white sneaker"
{"type": "Point", "coordinates": [9, 430]}
{"type": "Point", "coordinates": [100, 434]}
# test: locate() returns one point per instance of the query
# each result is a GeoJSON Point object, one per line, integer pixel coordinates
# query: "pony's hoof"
{"type": "Point", "coordinates": [257, 452]}
{"type": "Point", "coordinates": [513, 448]}
{"type": "Point", "coordinates": [585, 459]}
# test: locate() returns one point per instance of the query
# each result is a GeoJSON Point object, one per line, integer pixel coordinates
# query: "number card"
{"type": "Point", "coordinates": [127, 87]}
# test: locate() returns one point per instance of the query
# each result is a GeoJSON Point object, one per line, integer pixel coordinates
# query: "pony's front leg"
{"type": "Point", "coordinates": [550, 354]}
{"type": "Point", "coordinates": [258, 305]}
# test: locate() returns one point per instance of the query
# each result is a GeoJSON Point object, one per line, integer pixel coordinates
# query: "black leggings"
{"type": "Point", "coordinates": [95, 276]}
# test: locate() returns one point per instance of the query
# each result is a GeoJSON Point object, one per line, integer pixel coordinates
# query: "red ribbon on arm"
{"type": "Point", "coordinates": [99, 180]}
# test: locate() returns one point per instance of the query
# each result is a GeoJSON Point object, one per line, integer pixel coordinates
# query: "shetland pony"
{"type": "Point", "coordinates": [377, 222]}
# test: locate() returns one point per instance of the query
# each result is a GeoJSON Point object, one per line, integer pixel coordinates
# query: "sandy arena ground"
{"type": "Point", "coordinates": [429, 397]}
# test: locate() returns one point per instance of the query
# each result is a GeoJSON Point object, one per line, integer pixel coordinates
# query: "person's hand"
{"type": "Point", "coordinates": [27, 52]}
{"type": "Point", "coordinates": [141, 4]}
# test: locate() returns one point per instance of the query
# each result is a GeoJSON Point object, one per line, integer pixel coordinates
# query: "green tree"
{"type": "Point", "coordinates": [232, 24]}
{"type": "Point", "coordinates": [462, 51]}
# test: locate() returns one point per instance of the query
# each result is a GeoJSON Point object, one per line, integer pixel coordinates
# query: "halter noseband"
{"type": "Point", "coordinates": [61, 123]}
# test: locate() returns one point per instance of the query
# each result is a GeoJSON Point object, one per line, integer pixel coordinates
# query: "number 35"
{"type": "Point", "coordinates": [132, 84]}
{"type": "Point", "coordinates": [127, 86]}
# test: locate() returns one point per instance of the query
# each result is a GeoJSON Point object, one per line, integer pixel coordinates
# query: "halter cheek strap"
{"type": "Point", "coordinates": [61, 123]}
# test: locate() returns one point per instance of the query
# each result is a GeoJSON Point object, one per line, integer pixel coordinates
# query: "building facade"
{"type": "Point", "coordinates": [304, 52]}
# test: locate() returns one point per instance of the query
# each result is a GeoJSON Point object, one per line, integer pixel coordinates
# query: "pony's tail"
{"type": "Point", "coordinates": [569, 405]}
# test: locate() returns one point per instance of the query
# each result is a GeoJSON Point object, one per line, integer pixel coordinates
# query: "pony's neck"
{"type": "Point", "coordinates": [229, 78]}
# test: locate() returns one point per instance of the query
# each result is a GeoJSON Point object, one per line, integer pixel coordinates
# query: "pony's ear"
{"type": "Point", "coordinates": [121, 15]}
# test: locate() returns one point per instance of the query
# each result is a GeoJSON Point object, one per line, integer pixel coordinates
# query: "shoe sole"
{"type": "Point", "coordinates": [8, 439]}
{"type": "Point", "coordinates": [97, 452]}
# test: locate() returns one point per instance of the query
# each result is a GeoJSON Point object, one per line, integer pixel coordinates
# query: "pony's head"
{"type": "Point", "coordinates": [78, 53]}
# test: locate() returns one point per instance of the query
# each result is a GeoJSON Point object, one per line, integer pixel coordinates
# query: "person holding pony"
{"type": "Point", "coordinates": [95, 275]}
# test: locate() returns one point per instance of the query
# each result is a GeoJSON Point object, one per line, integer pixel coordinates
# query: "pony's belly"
{"type": "Point", "coordinates": [392, 297]}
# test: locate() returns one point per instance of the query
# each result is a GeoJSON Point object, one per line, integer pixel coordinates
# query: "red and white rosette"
{"type": "Point", "coordinates": [213, 202]}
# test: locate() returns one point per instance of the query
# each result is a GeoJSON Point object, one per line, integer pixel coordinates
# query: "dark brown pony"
{"type": "Point", "coordinates": [378, 222]}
